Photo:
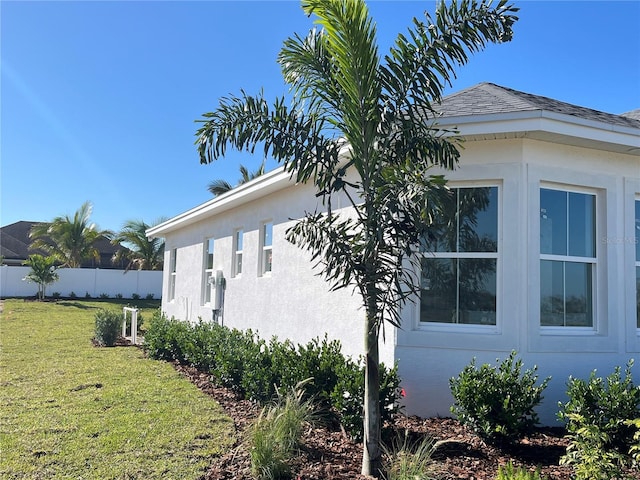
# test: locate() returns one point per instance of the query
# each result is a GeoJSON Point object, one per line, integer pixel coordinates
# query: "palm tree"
{"type": "Point", "coordinates": [143, 253]}
{"type": "Point", "coordinates": [352, 111]}
{"type": "Point", "coordinates": [70, 240]}
{"type": "Point", "coordinates": [218, 187]}
{"type": "Point", "coordinates": [43, 272]}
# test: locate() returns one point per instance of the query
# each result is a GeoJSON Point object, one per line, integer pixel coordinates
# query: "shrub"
{"type": "Point", "coordinates": [497, 403]}
{"type": "Point", "coordinates": [347, 396]}
{"type": "Point", "coordinates": [56, 295]}
{"type": "Point", "coordinates": [149, 296]}
{"type": "Point", "coordinates": [599, 418]}
{"type": "Point", "coordinates": [509, 472]}
{"type": "Point", "coordinates": [119, 296]}
{"type": "Point", "coordinates": [104, 295]}
{"type": "Point", "coordinates": [276, 435]}
{"type": "Point", "coordinates": [634, 451]}
{"type": "Point", "coordinates": [107, 327]}
{"type": "Point", "coordinates": [165, 338]}
{"type": "Point", "coordinates": [86, 295]}
{"type": "Point", "coordinates": [255, 369]}
{"type": "Point", "coordinates": [135, 296]}
{"type": "Point", "coordinates": [406, 461]}
{"type": "Point", "coordinates": [73, 295]}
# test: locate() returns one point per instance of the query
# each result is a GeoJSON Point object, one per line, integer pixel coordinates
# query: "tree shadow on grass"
{"type": "Point", "coordinates": [79, 305]}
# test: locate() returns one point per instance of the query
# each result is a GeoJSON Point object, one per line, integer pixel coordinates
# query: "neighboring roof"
{"type": "Point", "coordinates": [488, 98]}
{"type": "Point", "coordinates": [483, 112]}
{"type": "Point", "coordinates": [15, 241]}
{"type": "Point", "coordinates": [635, 114]}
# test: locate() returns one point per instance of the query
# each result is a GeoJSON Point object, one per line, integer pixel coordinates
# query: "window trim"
{"type": "Point", "coordinates": [564, 259]}
{"type": "Point", "coordinates": [605, 336]}
{"type": "Point", "coordinates": [238, 238]}
{"type": "Point", "coordinates": [497, 255]}
{"type": "Point", "coordinates": [173, 261]}
{"type": "Point", "coordinates": [265, 249]}
{"type": "Point", "coordinates": [634, 239]}
{"type": "Point", "coordinates": [207, 272]}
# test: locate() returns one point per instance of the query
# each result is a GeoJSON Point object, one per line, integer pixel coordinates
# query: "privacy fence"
{"type": "Point", "coordinates": [84, 282]}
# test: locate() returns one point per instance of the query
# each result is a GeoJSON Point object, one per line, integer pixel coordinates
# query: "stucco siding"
{"type": "Point", "coordinates": [430, 354]}
{"type": "Point", "coordinates": [292, 301]}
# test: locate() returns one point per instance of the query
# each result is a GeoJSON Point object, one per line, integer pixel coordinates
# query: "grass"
{"type": "Point", "coordinates": [70, 410]}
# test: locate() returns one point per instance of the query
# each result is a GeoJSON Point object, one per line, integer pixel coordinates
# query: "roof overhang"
{"type": "Point", "coordinates": [535, 124]}
{"type": "Point", "coordinates": [548, 126]}
{"type": "Point", "coordinates": [263, 185]}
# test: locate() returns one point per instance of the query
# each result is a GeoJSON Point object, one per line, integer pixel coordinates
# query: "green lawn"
{"type": "Point", "coordinates": [70, 410]}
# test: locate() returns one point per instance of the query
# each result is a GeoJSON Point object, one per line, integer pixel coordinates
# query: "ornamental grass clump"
{"type": "Point", "coordinates": [497, 403]}
{"type": "Point", "coordinates": [410, 461]}
{"type": "Point", "coordinates": [276, 434]}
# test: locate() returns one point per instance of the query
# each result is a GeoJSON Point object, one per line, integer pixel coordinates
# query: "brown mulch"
{"type": "Point", "coordinates": [328, 455]}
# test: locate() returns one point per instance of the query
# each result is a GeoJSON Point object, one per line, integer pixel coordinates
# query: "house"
{"type": "Point", "coordinates": [15, 247]}
{"type": "Point", "coordinates": [546, 261]}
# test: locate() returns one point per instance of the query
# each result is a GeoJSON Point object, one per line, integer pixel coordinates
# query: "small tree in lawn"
{"type": "Point", "coordinates": [43, 272]}
{"type": "Point", "coordinates": [363, 128]}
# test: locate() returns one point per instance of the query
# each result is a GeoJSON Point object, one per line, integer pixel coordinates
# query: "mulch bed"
{"type": "Point", "coordinates": [329, 455]}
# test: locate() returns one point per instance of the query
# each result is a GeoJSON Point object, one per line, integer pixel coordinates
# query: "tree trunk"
{"type": "Point", "coordinates": [371, 457]}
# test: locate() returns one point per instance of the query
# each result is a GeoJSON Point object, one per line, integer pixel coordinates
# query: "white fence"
{"type": "Point", "coordinates": [82, 281]}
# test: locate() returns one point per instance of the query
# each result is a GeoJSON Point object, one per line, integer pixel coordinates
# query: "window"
{"type": "Point", "coordinates": [172, 274]}
{"type": "Point", "coordinates": [637, 242]}
{"type": "Point", "coordinates": [209, 275]}
{"type": "Point", "coordinates": [459, 263]}
{"type": "Point", "coordinates": [267, 248]}
{"type": "Point", "coordinates": [237, 253]}
{"type": "Point", "coordinates": [567, 258]}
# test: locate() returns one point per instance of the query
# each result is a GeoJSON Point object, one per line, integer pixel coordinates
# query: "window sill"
{"type": "Point", "coordinates": [458, 328]}
{"type": "Point", "coordinates": [568, 331]}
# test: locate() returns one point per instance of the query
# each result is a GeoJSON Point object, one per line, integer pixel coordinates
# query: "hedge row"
{"type": "Point", "coordinates": [255, 368]}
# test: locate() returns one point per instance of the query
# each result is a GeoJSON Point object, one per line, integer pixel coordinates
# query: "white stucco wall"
{"type": "Point", "coordinates": [292, 302]}
{"type": "Point", "coordinates": [429, 355]}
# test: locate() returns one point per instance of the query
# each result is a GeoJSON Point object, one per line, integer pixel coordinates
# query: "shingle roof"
{"type": "Point", "coordinates": [15, 242]}
{"type": "Point", "coordinates": [489, 98]}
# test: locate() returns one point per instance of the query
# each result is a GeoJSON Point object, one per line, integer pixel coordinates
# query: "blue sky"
{"type": "Point", "coordinates": [99, 99]}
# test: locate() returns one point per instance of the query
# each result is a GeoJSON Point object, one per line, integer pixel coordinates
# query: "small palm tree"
{"type": "Point", "coordinates": [71, 240]}
{"type": "Point", "coordinates": [43, 272]}
{"type": "Point", "coordinates": [353, 111]}
{"type": "Point", "coordinates": [218, 187]}
{"type": "Point", "coordinates": [143, 253]}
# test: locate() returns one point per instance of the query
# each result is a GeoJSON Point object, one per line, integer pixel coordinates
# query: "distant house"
{"type": "Point", "coordinates": [543, 257]}
{"type": "Point", "coordinates": [15, 247]}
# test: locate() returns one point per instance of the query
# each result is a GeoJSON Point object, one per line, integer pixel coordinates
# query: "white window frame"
{"type": "Point", "coordinates": [238, 244]}
{"type": "Point", "coordinates": [208, 269]}
{"type": "Point", "coordinates": [266, 251]}
{"type": "Point", "coordinates": [456, 326]}
{"type": "Point", "coordinates": [173, 254]}
{"type": "Point", "coordinates": [593, 261]}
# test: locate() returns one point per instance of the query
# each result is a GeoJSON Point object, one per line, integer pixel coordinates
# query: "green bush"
{"type": "Point", "coordinates": [108, 324]}
{"type": "Point", "coordinates": [165, 338]}
{"type": "Point", "coordinates": [255, 369]}
{"type": "Point", "coordinates": [599, 419]}
{"type": "Point", "coordinates": [276, 435]}
{"type": "Point", "coordinates": [497, 403]}
{"type": "Point", "coordinates": [509, 472]}
{"type": "Point", "coordinates": [347, 396]}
